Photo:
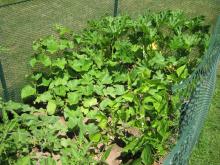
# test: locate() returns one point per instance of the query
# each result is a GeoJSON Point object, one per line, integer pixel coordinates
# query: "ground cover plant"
{"type": "Point", "coordinates": [108, 88]}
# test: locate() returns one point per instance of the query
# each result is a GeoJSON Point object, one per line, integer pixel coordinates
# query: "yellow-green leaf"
{"type": "Point", "coordinates": [90, 102]}
{"type": "Point", "coordinates": [51, 107]}
{"type": "Point", "coordinates": [27, 92]}
{"type": "Point", "coordinates": [95, 137]}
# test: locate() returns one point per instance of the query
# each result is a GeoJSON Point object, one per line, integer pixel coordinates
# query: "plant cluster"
{"type": "Point", "coordinates": [110, 84]}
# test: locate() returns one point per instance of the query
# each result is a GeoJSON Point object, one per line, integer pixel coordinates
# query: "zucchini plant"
{"type": "Point", "coordinates": [110, 85]}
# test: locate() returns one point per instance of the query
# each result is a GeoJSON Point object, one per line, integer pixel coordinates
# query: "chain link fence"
{"type": "Point", "coordinates": [22, 22]}
{"type": "Point", "coordinates": [194, 112]}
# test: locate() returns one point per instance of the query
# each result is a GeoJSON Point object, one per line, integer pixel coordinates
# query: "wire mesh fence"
{"type": "Point", "coordinates": [196, 109]}
{"type": "Point", "coordinates": [23, 21]}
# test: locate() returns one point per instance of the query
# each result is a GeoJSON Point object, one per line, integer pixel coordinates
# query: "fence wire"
{"type": "Point", "coordinates": [23, 22]}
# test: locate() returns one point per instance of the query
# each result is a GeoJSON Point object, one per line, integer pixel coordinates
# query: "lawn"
{"type": "Point", "coordinates": [22, 23]}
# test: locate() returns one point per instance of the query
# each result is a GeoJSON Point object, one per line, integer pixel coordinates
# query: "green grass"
{"type": "Point", "coordinates": [207, 151]}
{"type": "Point", "coordinates": [21, 24]}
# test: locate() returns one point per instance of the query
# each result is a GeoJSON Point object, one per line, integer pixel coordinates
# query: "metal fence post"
{"type": "Point", "coordinates": [3, 82]}
{"type": "Point", "coordinates": [116, 8]}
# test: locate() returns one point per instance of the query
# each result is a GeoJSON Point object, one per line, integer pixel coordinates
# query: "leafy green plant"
{"type": "Point", "coordinates": [111, 84]}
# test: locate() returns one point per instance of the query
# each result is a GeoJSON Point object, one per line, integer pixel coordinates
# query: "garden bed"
{"type": "Point", "coordinates": [104, 95]}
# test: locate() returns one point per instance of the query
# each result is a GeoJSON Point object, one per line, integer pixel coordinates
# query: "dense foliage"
{"type": "Point", "coordinates": [110, 84]}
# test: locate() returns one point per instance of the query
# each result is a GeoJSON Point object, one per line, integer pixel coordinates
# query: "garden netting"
{"type": "Point", "coordinates": [23, 21]}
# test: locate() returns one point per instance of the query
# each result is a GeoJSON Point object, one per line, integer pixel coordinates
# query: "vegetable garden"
{"type": "Point", "coordinates": [122, 91]}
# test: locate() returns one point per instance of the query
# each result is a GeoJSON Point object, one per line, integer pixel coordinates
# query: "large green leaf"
{"type": "Point", "coordinates": [24, 161]}
{"type": "Point", "coordinates": [95, 137]}
{"type": "Point", "coordinates": [28, 91]}
{"type": "Point", "coordinates": [176, 43]}
{"type": "Point", "coordinates": [51, 107]}
{"type": "Point", "coordinates": [180, 70]}
{"type": "Point", "coordinates": [73, 84]}
{"type": "Point", "coordinates": [104, 77]}
{"type": "Point", "coordinates": [73, 98]}
{"type": "Point", "coordinates": [12, 106]}
{"type": "Point", "coordinates": [65, 142]}
{"type": "Point", "coordinates": [59, 81]}
{"type": "Point", "coordinates": [128, 97]}
{"type": "Point", "coordinates": [91, 128]}
{"type": "Point", "coordinates": [120, 77]}
{"type": "Point", "coordinates": [42, 59]}
{"type": "Point", "coordinates": [105, 103]}
{"type": "Point", "coordinates": [90, 102]}
{"type": "Point", "coordinates": [99, 89]}
{"type": "Point", "coordinates": [80, 65]}
{"type": "Point", "coordinates": [158, 61]}
{"type": "Point", "coordinates": [119, 89]}
{"type": "Point", "coordinates": [98, 59]}
{"type": "Point", "coordinates": [131, 146]}
{"type": "Point", "coordinates": [60, 90]}
{"type": "Point", "coordinates": [65, 44]}
{"type": "Point", "coordinates": [51, 44]}
{"type": "Point", "coordinates": [44, 97]}
{"type": "Point", "coordinates": [60, 63]}
{"type": "Point", "coordinates": [86, 90]}
{"type": "Point", "coordinates": [109, 91]}
{"type": "Point", "coordinates": [102, 120]}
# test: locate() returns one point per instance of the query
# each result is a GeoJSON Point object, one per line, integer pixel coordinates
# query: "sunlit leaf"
{"type": "Point", "coordinates": [51, 107]}
{"type": "Point", "coordinates": [90, 102]}
{"type": "Point", "coordinates": [27, 92]}
{"type": "Point", "coordinates": [73, 97]}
